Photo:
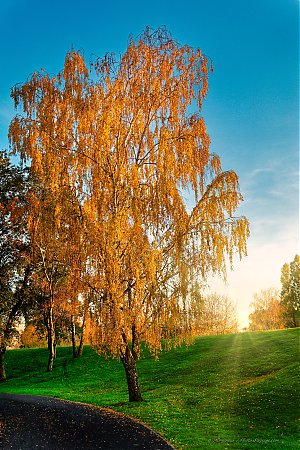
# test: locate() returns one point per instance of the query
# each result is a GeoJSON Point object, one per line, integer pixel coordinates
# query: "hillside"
{"type": "Point", "coordinates": [234, 391]}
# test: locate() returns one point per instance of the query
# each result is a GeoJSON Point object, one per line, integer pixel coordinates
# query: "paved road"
{"type": "Point", "coordinates": [42, 423]}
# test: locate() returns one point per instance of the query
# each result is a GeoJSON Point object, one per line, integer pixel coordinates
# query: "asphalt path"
{"type": "Point", "coordinates": [33, 422]}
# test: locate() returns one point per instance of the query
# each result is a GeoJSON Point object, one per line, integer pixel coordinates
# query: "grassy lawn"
{"type": "Point", "coordinates": [223, 392]}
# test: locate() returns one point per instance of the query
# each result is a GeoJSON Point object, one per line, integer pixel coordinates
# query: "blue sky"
{"type": "Point", "coordinates": [251, 110]}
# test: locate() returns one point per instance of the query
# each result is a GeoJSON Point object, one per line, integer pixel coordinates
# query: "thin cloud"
{"type": "Point", "coordinates": [259, 171]}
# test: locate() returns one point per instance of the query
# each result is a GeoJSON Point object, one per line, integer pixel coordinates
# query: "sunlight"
{"type": "Point", "coordinates": [243, 320]}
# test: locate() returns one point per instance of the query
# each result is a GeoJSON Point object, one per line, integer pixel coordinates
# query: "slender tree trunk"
{"type": "Point", "coordinates": [129, 364]}
{"type": "Point", "coordinates": [48, 336]}
{"type": "Point", "coordinates": [73, 332]}
{"type": "Point", "coordinates": [2, 366]}
{"type": "Point", "coordinates": [80, 348]}
{"type": "Point", "coordinates": [51, 340]}
{"type": "Point", "coordinates": [46, 323]}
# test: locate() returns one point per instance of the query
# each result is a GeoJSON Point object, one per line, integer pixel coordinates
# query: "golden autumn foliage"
{"type": "Point", "coordinates": [30, 338]}
{"type": "Point", "coordinates": [116, 151]}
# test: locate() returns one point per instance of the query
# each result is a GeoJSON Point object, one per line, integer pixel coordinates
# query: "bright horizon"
{"type": "Point", "coordinates": [251, 110]}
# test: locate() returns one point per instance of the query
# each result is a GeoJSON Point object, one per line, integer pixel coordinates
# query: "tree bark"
{"type": "Point", "coordinates": [51, 340]}
{"type": "Point", "coordinates": [2, 366]}
{"type": "Point", "coordinates": [80, 348]}
{"type": "Point", "coordinates": [129, 364]}
{"type": "Point", "coordinates": [73, 333]}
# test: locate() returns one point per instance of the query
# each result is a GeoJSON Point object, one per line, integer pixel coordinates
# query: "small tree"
{"type": "Point", "coordinates": [266, 311]}
{"type": "Point", "coordinates": [116, 152]}
{"type": "Point", "coordinates": [56, 255]}
{"type": "Point", "coordinates": [290, 292]}
{"type": "Point", "coordinates": [31, 338]}
{"type": "Point", "coordinates": [213, 314]}
{"type": "Point", "coordinates": [15, 265]}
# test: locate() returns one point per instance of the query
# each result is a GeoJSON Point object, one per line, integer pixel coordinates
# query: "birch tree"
{"type": "Point", "coordinates": [116, 144]}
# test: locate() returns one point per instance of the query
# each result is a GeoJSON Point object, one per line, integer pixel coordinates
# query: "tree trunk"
{"type": "Point", "coordinates": [51, 340]}
{"type": "Point", "coordinates": [2, 366]}
{"type": "Point", "coordinates": [80, 348]}
{"type": "Point", "coordinates": [129, 364]}
{"type": "Point", "coordinates": [73, 332]}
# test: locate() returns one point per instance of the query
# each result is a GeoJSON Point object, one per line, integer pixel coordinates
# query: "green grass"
{"type": "Point", "coordinates": [223, 392]}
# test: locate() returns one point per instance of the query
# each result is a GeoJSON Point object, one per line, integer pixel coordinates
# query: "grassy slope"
{"type": "Point", "coordinates": [235, 391]}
